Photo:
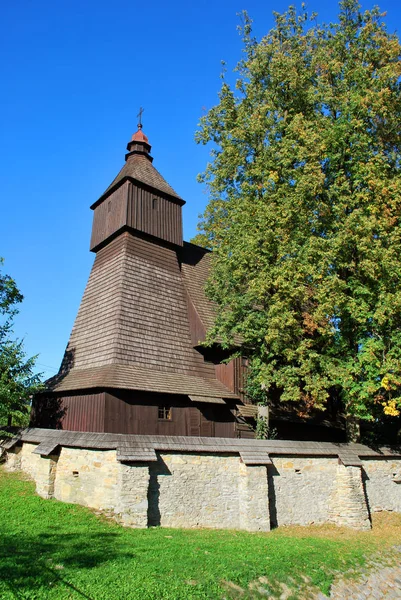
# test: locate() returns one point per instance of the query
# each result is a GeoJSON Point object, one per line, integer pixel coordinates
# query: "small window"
{"type": "Point", "coordinates": [109, 206]}
{"type": "Point", "coordinates": [165, 413]}
{"type": "Point", "coordinates": [154, 203]}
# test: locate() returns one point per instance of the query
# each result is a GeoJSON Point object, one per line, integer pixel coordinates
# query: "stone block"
{"type": "Point", "coordinates": [13, 459]}
{"type": "Point", "coordinates": [347, 504]}
{"type": "Point", "coordinates": [253, 498]}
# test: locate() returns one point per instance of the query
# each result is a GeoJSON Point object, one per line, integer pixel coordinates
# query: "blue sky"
{"type": "Point", "coordinates": [73, 76]}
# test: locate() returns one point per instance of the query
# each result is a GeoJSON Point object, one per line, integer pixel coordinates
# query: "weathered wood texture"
{"type": "Point", "coordinates": [233, 376]}
{"type": "Point", "coordinates": [75, 412]}
{"type": "Point", "coordinates": [137, 378]}
{"type": "Point", "coordinates": [243, 431]}
{"type": "Point", "coordinates": [138, 413]}
{"type": "Point", "coordinates": [109, 441]}
{"type": "Point", "coordinates": [84, 413]}
{"type": "Point", "coordinates": [141, 209]}
{"type": "Point", "coordinates": [140, 169]}
{"type": "Point", "coordinates": [195, 268]}
{"type": "Point", "coordinates": [134, 312]}
{"type": "Point", "coordinates": [110, 216]}
{"type": "Point", "coordinates": [125, 413]}
{"type": "Point", "coordinates": [151, 213]}
{"type": "Point", "coordinates": [142, 316]}
{"type": "Point", "coordinates": [196, 327]}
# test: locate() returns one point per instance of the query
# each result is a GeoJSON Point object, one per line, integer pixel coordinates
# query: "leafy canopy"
{"type": "Point", "coordinates": [304, 215]}
{"type": "Point", "coordinates": [17, 379]}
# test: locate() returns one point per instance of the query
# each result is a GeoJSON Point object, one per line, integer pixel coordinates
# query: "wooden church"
{"type": "Point", "coordinates": [134, 363]}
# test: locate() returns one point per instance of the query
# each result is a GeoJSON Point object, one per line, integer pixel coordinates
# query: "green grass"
{"type": "Point", "coordinates": [60, 551]}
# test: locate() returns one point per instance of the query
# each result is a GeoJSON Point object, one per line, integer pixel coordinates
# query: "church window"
{"type": "Point", "coordinates": [109, 206]}
{"type": "Point", "coordinates": [165, 413]}
{"type": "Point", "coordinates": [154, 203]}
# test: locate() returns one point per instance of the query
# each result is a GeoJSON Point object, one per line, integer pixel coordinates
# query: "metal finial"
{"type": "Point", "coordinates": [139, 115]}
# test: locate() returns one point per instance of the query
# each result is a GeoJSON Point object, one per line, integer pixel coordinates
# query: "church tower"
{"type": "Point", "coordinates": [138, 199]}
{"type": "Point", "coordinates": [133, 362]}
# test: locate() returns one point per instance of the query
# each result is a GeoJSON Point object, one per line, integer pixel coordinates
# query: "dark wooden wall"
{"type": "Point", "coordinates": [109, 216]}
{"type": "Point", "coordinates": [153, 214]}
{"type": "Point", "coordinates": [233, 375]}
{"type": "Point", "coordinates": [128, 412]}
{"type": "Point", "coordinates": [141, 209]}
{"type": "Point", "coordinates": [196, 327]}
{"type": "Point", "coordinates": [78, 412]}
{"type": "Point", "coordinates": [84, 413]}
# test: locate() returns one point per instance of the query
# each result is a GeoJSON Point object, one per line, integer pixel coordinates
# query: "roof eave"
{"type": "Point", "coordinates": [118, 184]}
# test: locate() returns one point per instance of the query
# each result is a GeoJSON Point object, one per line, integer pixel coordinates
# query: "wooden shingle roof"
{"type": "Point", "coordinates": [139, 448]}
{"type": "Point", "coordinates": [139, 168]}
{"type": "Point", "coordinates": [132, 329]}
{"type": "Point", "coordinates": [195, 270]}
{"type": "Point", "coordinates": [132, 377]}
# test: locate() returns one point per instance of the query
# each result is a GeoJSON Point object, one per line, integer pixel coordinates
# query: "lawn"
{"type": "Point", "coordinates": [60, 551]}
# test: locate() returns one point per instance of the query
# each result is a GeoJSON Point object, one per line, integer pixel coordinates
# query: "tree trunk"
{"type": "Point", "coordinates": [352, 429]}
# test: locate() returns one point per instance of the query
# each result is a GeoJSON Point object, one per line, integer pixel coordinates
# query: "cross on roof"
{"type": "Point", "coordinates": [139, 115]}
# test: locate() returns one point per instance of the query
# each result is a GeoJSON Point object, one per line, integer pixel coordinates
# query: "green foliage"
{"type": "Point", "coordinates": [263, 431]}
{"type": "Point", "coordinates": [17, 379]}
{"type": "Point", "coordinates": [62, 551]}
{"type": "Point", "coordinates": [304, 215]}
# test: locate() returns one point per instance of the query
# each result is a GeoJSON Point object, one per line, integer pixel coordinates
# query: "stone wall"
{"type": "Point", "coordinates": [194, 489]}
{"type": "Point", "coordinates": [88, 477]}
{"type": "Point", "coordinates": [209, 489]}
{"type": "Point", "coordinates": [347, 503]}
{"type": "Point", "coordinates": [382, 490]}
{"type": "Point", "coordinates": [299, 489]}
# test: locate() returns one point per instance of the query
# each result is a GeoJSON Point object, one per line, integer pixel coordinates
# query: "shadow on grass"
{"type": "Point", "coordinates": [47, 560]}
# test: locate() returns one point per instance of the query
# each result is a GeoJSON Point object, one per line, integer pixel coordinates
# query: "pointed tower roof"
{"type": "Point", "coordinates": [139, 168]}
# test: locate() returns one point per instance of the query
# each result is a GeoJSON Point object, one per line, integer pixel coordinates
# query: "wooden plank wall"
{"type": "Point", "coordinates": [233, 376]}
{"type": "Point", "coordinates": [127, 415]}
{"type": "Point", "coordinates": [136, 413]}
{"type": "Point", "coordinates": [197, 329]}
{"type": "Point", "coordinates": [84, 412]}
{"type": "Point", "coordinates": [109, 216]}
{"type": "Point", "coordinates": [141, 209]}
{"type": "Point", "coordinates": [155, 215]}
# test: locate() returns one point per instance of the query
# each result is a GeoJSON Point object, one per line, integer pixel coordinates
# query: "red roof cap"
{"type": "Point", "coordinates": [139, 136]}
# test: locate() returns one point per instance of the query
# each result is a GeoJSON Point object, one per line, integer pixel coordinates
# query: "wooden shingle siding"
{"type": "Point", "coordinates": [260, 450]}
{"type": "Point", "coordinates": [134, 312]}
{"type": "Point", "coordinates": [195, 268]}
{"type": "Point", "coordinates": [140, 169]}
{"type": "Point", "coordinates": [131, 377]}
{"type": "Point", "coordinates": [197, 328]}
{"type": "Point", "coordinates": [143, 313]}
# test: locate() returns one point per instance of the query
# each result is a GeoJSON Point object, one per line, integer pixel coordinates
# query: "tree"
{"type": "Point", "coordinates": [304, 211]}
{"type": "Point", "coordinates": [17, 379]}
